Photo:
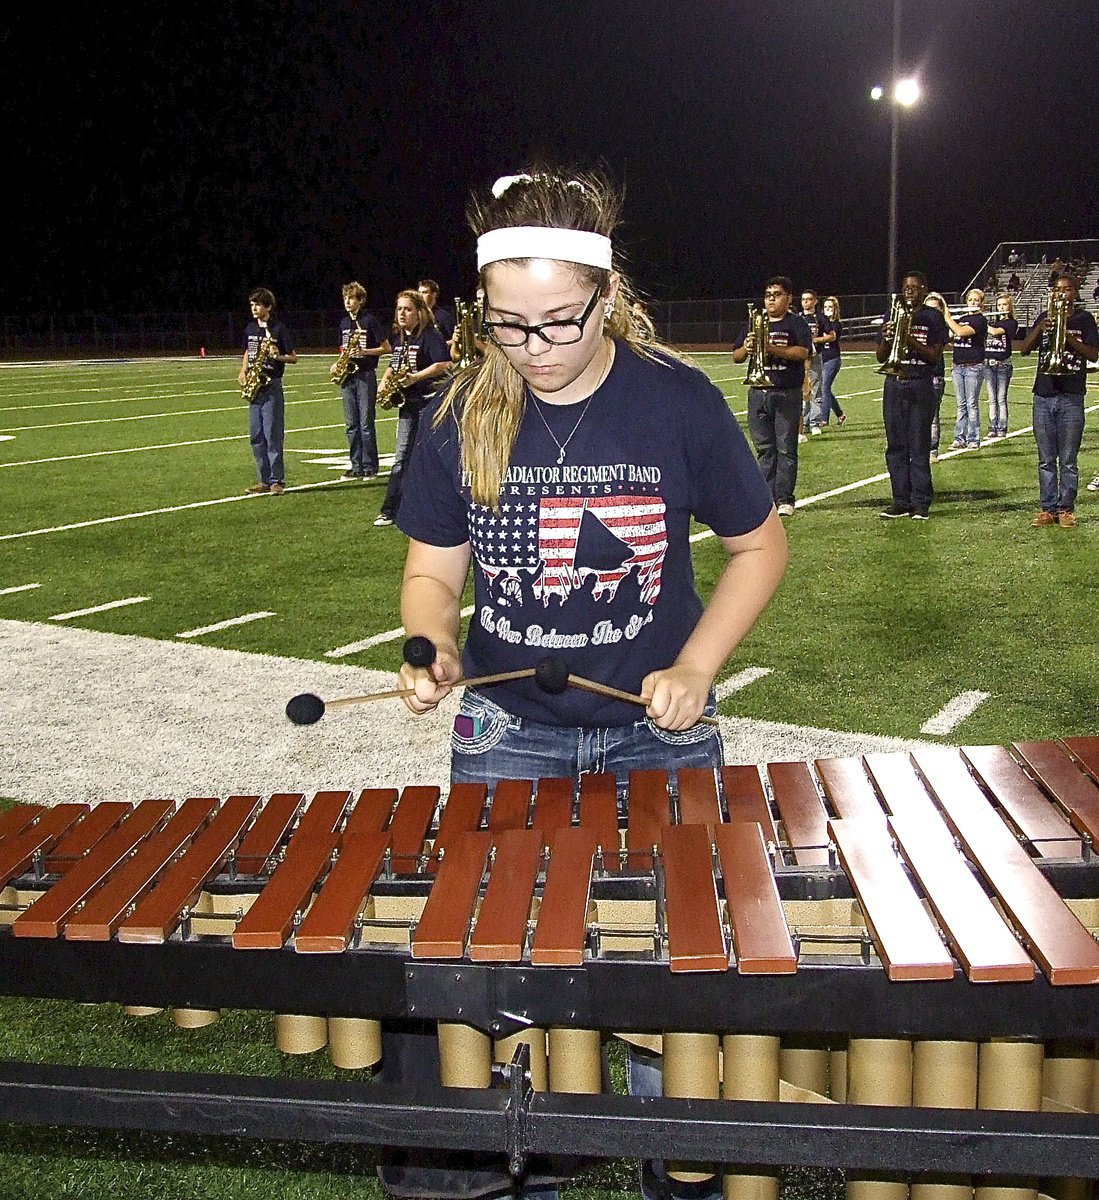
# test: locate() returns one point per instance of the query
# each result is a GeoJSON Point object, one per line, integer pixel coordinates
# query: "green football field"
{"type": "Point", "coordinates": [121, 501]}
{"type": "Point", "coordinates": [122, 510]}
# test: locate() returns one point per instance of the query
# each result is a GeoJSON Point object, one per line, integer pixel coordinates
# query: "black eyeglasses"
{"type": "Point", "coordinates": [557, 333]}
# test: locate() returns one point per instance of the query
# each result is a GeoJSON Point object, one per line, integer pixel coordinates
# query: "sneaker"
{"type": "Point", "coordinates": [974, 446]}
{"type": "Point", "coordinates": [815, 430]}
{"type": "Point", "coordinates": [785, 510]}
{"type": "Point", "coordinates": [1067, 520]}
{"type": "Point", "coordinates": [841, 418]}
{"type": "Point", "coordinates": [956, 445]}
{"type": "Point", "coordinates": [278, 488]}
{"type": "Point", "coordinates": [803, 437]}
{"type": "Point", "coordinates": [351, 475]}
{"type": "Point", "coordinates": [381, 520]}
{"type": "Point", "coordinates": [369, 475]}
{"type": "Point", "coordinates": [934, 456]}
{"type": "Point", "coordinates": [257, 489]}
{"type": "Point", "coordinates": [895, 510]}
{"type": "Point", "coordinates": [1094, 485]}
{"type": "Point", "coordinates": [920, 514]}
{"type": "Point", "coordinates": [1044, 518]}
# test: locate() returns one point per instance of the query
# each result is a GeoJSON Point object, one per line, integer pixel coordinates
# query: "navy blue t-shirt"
{"type": "Point", "coordinates": [790, 330]}
{"type": "Point", "coordinates": [969, 350]}
{"type": "Point", "coordinates": [831, 350]}
{"type": "Point", "coordinates": [254, 334]}
{"type": "Point", "coordinates": [813, 320]}
{"type": "Point", "coordinates": [372, 331]}
{"type": "Point", "coordinates": [422, 350]}
{"type": "Point", "coordinates": [1082, 325]}
{"type": "Point", "coordinates": [589, 558]}
{"type": "Point", "coordinates": [998, 345]}
{"type": "Point", "coordinates": [929, 329]}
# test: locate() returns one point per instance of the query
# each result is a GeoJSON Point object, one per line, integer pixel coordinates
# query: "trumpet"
{"type": "Point", "coordinates": [258, 375]}
{"type": "Point", "coordinates": [466, 332]}
{"type": "Point", "coordinates": [392, 392]}
{"type": "Point", "coordinates": [900, 317]}
{"type": "Point", "coordinates": [346, 366]}
{"type": "Point", "coordinates": [1059, 310]}
{"type": "Point", "coordinates": [759, 329]}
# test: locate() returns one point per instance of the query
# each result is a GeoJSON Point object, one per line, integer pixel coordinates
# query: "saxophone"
{"type": "Point", "coordinates": [759, 326]}
{"type": "Point", "coordinates": [346, 366]}
{"type": "Point", "coordinates": [392, 394]}
{"type": "Point", "coordinates": [258, 375]}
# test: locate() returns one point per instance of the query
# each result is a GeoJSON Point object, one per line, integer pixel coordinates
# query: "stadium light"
{"type": "Point", "coordinates": [906, 92]}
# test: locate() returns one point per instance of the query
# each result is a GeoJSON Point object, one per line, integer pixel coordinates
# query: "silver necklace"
{"type": "Point", "coordinates": [562, 446]}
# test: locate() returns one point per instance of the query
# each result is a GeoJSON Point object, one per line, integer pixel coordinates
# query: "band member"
{"type": "Point", "coordinates": [774, 412]}
{"type": "Point", "coordinates": [813, 414]}
{"type": "Point", "coordinates": [267, 411]}
{"type": "Point", "coordinates": [1059, 402]}
{"type": "Point", "coordinates": [566, 469]}
{"type": "Point", "coordinates": [360, 388]}
{"type": "Point", "coordinates": [830, 356]}
{"type": "Point", "coordinates": [908, 402]}
{"type": "Point", "coordinates": [1002, 329]}
{"type": "Point", "coordinates": [442, 316]}
{"type": "Point", "coordinates": [969, 368]}
{"type": "Point", "coordinates": [938, 379]}
{"type": "Point", "coordinates": [419, 358]}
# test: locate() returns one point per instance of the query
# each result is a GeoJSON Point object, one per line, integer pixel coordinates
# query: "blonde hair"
{"type": "Point", "coordinates": [1010, 303]}
{"type": "Point", "coordinates": [488, 399]}
{"type": "Point", "coordinates": [835, 303]}
{"type": "Point", "coordinates": [354, 290]}
{"type": "Point", "coordinates": [424, 319]}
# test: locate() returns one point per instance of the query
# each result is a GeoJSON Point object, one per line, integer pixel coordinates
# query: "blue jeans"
{"type": "Point", "coordinates": [266, 432]}
{"type": "Point", "coordinates": [1058, 430]}
{"type": "Point", "coordinates": [407, 423]}
{"type": "Point", "coordinates": [814, 411]}
{"type": "Point", "coordinates": [773, 415]}
{"type": "Point", "coordinates": [829, 404]}
{"type": "Point", "coordinates": [360, 395]}
{"type": "Point", "coordinates": [967, 388]}
{"type": "Point", "coordinates": [503, 746]}
{"type": "Point", "coordinates": [998, 372]}
{"type": "Point", "coordinates": [939, 386]}
{"type": "Point", "coordinates": [908, 408]}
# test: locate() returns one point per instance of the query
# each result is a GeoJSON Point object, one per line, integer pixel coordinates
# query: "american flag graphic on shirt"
{"type": "Point", "coordinates": [562, 542]}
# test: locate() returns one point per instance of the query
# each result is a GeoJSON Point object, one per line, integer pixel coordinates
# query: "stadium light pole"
{"type": "Point", "coordinates": [903, 94]}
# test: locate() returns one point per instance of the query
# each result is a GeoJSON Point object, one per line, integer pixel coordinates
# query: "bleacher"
{"type": "Point", "coordinates": [1032, 262]}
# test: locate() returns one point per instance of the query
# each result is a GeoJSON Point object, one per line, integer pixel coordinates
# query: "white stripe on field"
{"type": "Point", "coordinates": [242, 620]}
{"type": "Point", "coordinates": [951, 715]}
{"type": "Point", "coordinates": [98, 608]}
{"type": "Point", "coordinates": [740, 680]}
{"type": "Point", "coordinates": [391, 635]}
{"type": "Point", "coordinates": [22, 587]}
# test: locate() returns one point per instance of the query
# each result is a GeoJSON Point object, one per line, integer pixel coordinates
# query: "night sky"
{"type": "Point", "coordinates": [171, 157]}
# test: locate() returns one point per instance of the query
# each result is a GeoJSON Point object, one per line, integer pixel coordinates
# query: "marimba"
{"type": "Point", "coordinates": [913, 931]}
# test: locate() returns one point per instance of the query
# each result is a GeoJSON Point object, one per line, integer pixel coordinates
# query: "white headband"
{"type": "Point", "coordinates": [538, 241]}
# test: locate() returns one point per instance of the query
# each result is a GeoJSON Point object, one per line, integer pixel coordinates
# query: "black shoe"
{"type": "Point", "coordinates": [920, 514]}
{"type": "Point", "coordinates": [895, 510]}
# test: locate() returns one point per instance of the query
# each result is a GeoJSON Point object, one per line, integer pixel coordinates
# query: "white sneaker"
{"type": "Point", "coordinates": [381, 521]}
{"type": "Point", "coordinates": [1094, 485]}
{"type": "Point", "coordinates": [803, 437]}
{"type": "Point", "coordinates": [785, 510]}
{"type": "Point", "coordinates": [815, 430]}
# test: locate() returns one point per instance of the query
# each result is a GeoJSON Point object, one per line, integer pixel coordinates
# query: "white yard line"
{"type": "Point", "coordinates": [951, 715]}
{"type": "Point", "coordinates": [741, 680]}
{"type": "Point", "coordinates": [22, 587]}
{"type": "Point", "coordinates": [98, 608]}
{"type": "Point", "coordinates": [390, 635]}
{"type": "Point", "coordinates": [241, 620]}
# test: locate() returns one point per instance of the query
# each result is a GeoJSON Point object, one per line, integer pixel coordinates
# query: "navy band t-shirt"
{"type": "Point", "coordinates": [588, 556]}
{"type": "Point", "coordinates": [790, 330]}
{"type": "Point", "coordinates": [371, 338]}
{"type": "Point", "coordinates": [1082, 326]}
{"type": "Point", "coordinates": [998, 345]}
{"type": "Point", "coordinates": [254, 334]}
{"type": "Point", "coordinates": [969, 350]}
{"type": "Point", "coordinates": [831, 350]}
{"type": "Point", "coordinates": [929, 329]}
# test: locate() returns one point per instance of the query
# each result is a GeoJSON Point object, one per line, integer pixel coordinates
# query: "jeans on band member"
{"type": "Point", "coordinates": [968, 378]}
{"type": "Point", "coordinates": [266, 432]}
{"type": "Point", "coordinates": [510, 747]}
{"type": "Point", "coordinates": [998, 372]}
{"type": "Point", "coordinates": [773, 415]}
{"type": "Point", "coordinates": [939, 385]}
{"type": "Point", "coordinates": [908, 408]}
{"type": "Point", "coordinates": [1058, 430]}
{"type": "Point", "coordinates": [829, 403]}
{"type": "Point", "coordinates": [360, 396]}
{"type": "Point", "coordinates": [818, 409]}
{"type": "Point", "coordinates": [406, 437]}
